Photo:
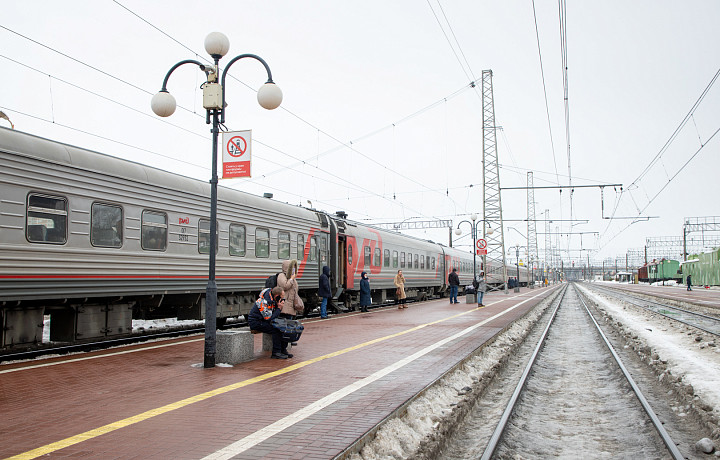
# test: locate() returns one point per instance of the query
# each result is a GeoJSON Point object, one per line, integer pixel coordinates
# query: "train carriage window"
{"type": "Point", "coordinates": [433, 263]}
{"type": "Point", "coordinates": [301, 247]}
{"type": "Point", "coordinates": [154, 231]}
{"type": "Point", "coordinates": [422, 262]}
{"type": "Point", "coordinates": [283, 245]}
{"type": "Point", "coordinates": [237, 240]}
{"type": "Point", "coordinates": [106, 228]}
{"type": "Point", "coordinates": [323, 250]}
{"type": "Point", "coordinates": [409, 260]}
{"type": "Point", "coordinates": [262, 242]}
{"type": "Point", "coordinates": [204, 236]}
{"type": "Point", "coordinates": [386, 258]}
{"type": "Point", "coordinates": [395, 259]}
{"type": "Point", "coordinates": [402, 260]}
{"type": "Point", "coordinates": [366, 250]}
{"type": "Point", "coordinates": [46, 219]}
{"type": "Point", "coordinates": [415, 264]}
{"type": "Point", "coordinates": [376, 259]}
{"type": "Point", "coordinates": [427, 262]}
{"type": "Point", "coordinates": [313, 249]}
{"type": "Point", "coordinates": [350, 255]}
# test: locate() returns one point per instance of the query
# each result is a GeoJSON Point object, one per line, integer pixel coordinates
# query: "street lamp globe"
{"type": "Point", "coordinates": [269, 96]}
{"type": "Point", "coordinates": [473, 216]}
{"type": "Point", "coordinates": [217, 44]}
{"type": "Point", "coordinates": [458, 232]}
{"type": "Point", "coordinates": [163, 104]}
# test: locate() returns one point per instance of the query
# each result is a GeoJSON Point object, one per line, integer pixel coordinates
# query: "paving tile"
{"type": "Point", "coordinates": [81, 396]}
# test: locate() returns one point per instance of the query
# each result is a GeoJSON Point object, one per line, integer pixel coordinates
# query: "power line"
{"type": "Point", "coordinates": [357, 187]}
{"type": "Point", "coordinates": [547, 108]}
{"type": "Point", "coordinates": [450, 43]}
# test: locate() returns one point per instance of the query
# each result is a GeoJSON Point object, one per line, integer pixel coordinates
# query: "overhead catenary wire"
{"type": "Point", "coordinates": [547, 107]}
{"type": "Point", "coordinates": [349, 145]}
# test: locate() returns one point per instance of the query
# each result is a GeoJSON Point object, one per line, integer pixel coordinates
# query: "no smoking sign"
{"type": "Point", "coordinates": [481, 247]}
{"type": "Point", "coordinates": [236, 154]}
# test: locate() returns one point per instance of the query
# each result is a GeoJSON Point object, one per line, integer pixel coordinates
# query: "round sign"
{"type": "Point", "coordinates": [236, 146]}
{"type": "Point", "coordinates": [481, 244]}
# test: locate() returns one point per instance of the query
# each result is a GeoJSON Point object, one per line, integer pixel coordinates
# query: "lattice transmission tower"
{"type": "Point", "coordinates": [548, 245]}
{"type": "Point", "coordinates": [531, 231]}
{"type": "Point", "coordinates": [494, 261]}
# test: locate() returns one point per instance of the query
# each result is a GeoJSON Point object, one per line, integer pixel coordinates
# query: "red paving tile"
{"type": "Point", "coordinates": [53, 404]}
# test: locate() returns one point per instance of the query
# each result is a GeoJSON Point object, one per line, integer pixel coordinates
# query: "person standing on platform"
{"type": "Point", "coordinates": [365, 298]}
{"type": "Point", "coordinates": [689, 283]}
{"type": "Point", "coordinates": [267, 307]}
{"type": "Point", "coordinates": [293, 305]}
{"type": "Point", "coordinates": [480, 288]}
{"type": "Point", "coordinates": [454, 282]}
{"type": "Point", "coordinates": [400, 296]}
{"type": "Point", "coordinates": [324, 291]}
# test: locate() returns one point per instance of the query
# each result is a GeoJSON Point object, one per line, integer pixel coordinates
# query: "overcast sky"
{"type": "Point", "coordinates": [378, 117]}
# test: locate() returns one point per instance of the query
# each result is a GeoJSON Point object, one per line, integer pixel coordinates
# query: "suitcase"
{"type": "Point", "coordinates": [291, 328]}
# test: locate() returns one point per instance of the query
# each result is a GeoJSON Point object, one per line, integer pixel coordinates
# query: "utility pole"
{"type": "Point", "coordinates": [531, 232]}
{"type": "Point", "coordinates": [494, 261]}
{"type": "Point", "coordinates": [548, 249]}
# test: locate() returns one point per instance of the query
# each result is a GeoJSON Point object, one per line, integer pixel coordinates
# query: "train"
{"type": "Point", "coordinates": [95, 241]}
{"type": "Point", "coordinates": [660, 270]}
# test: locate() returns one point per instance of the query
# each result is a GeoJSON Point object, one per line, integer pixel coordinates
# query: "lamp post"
{"type": "Point", "coordinates": [269, 96]}
{"type": "Point", "coordinates": [474, 235]}
{"type": "Point", "coordinates": [531, 275]}
{"type": "Point", "coordinates": [517, 268]}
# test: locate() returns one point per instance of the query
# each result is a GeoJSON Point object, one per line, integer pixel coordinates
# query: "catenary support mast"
{"type": "Point", "coordinates": [494, 261]}
{"type": "Point", "coordinates": [532, 248]}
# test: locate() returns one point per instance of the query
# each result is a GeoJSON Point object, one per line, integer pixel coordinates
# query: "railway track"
{"type": "Point", "coordinates": [700, 321]}
{"type": "Point", "coordinates": [575, 398]}
{"type": "Point", "coordinates": [34, 351]}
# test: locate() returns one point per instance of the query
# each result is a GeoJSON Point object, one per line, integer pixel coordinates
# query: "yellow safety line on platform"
{"type": "Point", "coordinates": [55, 446]}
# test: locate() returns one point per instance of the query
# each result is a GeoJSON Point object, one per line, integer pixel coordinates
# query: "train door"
{"type": "Point", "coordinates": [342, 262]}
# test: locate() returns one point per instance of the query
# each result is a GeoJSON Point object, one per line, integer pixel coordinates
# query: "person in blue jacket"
{"type": "Point", "coordinates": [324, 291]}
{"type": "Point", "coordinates": [365, 298]}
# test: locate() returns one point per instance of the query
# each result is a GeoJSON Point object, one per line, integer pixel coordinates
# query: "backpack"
{"type": "Point", "coordinates": [271, 280]}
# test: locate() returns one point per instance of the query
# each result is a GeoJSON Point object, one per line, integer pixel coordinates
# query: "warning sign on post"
{"type": "Point", "coordinates": [236, 154]}
{"type": "Point", "coordinates": [481, 247]}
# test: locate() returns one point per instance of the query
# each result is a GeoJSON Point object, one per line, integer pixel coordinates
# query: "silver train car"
{"type": "Point", "coordinates": [94, 241]}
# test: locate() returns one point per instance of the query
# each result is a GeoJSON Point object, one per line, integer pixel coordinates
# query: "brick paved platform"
{"type": "Point", "coordinates": [155, 401]}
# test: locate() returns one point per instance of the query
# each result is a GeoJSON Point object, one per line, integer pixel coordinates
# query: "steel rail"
{"type": "Point", "coordinates": [674, 451]}
{"type": "Point", "coordinates": [497, 434]}
{"type": "Point", "coordinates": [624, 295]}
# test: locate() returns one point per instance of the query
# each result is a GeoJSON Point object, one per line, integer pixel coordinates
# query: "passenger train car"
{"type": "Point", "coordinates": [95, 241]}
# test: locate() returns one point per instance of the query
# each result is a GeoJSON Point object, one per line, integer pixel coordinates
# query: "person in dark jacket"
{"type": "Point", "coordinates": [689, 282]}
{"type": "Point", "coordinates": [454, 282]}
{"type": "Point", "coordinates": [324, 291]}
{"type": "Point", "coordinates": [365, 299]}
{"type": "Point", "coordinates": [268, 307]}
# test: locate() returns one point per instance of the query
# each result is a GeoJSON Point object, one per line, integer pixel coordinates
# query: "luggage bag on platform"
{"type": "Point", "coordinates": [291, 328]}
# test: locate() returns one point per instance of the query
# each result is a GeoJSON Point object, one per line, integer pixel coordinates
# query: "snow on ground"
{"type": "Point", "coordinates": [697, 362]}
{"type": "Point", "coordinates": [139, 325]}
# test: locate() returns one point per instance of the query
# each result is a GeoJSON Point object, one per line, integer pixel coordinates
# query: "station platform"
{"type": "Point", "coordinates": [156, 401]}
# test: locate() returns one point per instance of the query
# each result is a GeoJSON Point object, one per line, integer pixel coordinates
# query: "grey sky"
{"type": "Point", "coordinates": [350, 69]}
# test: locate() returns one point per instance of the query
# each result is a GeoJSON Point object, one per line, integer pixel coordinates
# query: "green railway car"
{"type": "Point", "coordinates": [704, 268]}
{"type": "Point", "coordinates": [664, 270]}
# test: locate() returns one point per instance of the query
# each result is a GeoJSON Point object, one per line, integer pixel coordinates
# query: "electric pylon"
{"type": "Point", "coordinates": [532, 248]}
{"type": "Point", "coordinates": [494, 261]}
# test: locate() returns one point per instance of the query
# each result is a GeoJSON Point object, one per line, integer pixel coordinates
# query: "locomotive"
{"type": "Point", "coordinates": [94, 241]}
